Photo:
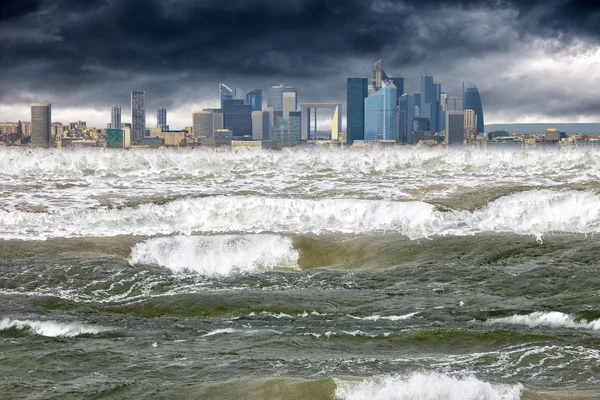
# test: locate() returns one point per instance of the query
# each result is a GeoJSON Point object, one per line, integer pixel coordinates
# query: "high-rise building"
{"type": "Point", "coordinates": [261, 125]}
{"type": "Point", "coordinates": [41, 116]}
{"type": "Point", "coordinates": [472, 101]}
{"type": "Point", "coordinates": [114, 139]}
{"type": "Point", "coordinates": [203, 124]}
{"type": "Point", "coordinates": [115, 117]}
{"type": "Point", "coordinates": [454, 128]}
{"type": "Point", "coordinates": [381, 112]}
{"type": "Point", "coordinates": [271, 112]}
{"type": "Point", "coordinates": [357, 90]}
{"type": "Point", "coordinates": [406, 114]}
{"type": "Point", "coordinates": [290, 103]}
{"type": "Point", "coordinates": [254, 99]}
{"type": "Point", "coordinates": [429, 102]}
{"type": "Point", "coordinates": [470, 125]}
{"type": "Point", "coordinates": [237, 117]}
{"type": "Point", "coordinates": [138, 116]}
{"type": "Point", "coordinates": [295, 118]}
{"type": "Point", "coordinates": [226, 93]}
{"type": "Point", "coordinates": [275, 96]}
{"type": "Point", "coordinates": [454, 104]}
{"type": "Point", "coordinates": [161, 119]}
{"type": "Point", "coordinates": [552, 135]}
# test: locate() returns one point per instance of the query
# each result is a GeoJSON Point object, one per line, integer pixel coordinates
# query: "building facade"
{"type": "Point", "coordinates": [115, 117]}
{"type": "Point", "coordinates": [454, 128]}
{"type": "Point", "coordinates": [254, 99]}
{"type": "Point", "coordinates": [472, 101]}
{"type": "Point", "coordinates": [275, 96]}
{"type": "Point", "coordinates": [41, 117]}
{"type": "Point", "coordinates": [357, 90]}
{"type": "Point", "coordinates": [237, 117]}
{"type": "Point", "coordinates": [161, 119]}
{"type": "Point", "coordinates": [381, 112]}
{"type": "Point", "coordinates": [138, 116]}
{"type": "Point", "coordinates": [114, 139]}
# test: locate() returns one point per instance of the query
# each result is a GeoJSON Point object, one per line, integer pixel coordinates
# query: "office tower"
{"type": "Point", "coordinates": [470, 125]}
{"type": "Point", "coordinates": [203, 124]}
{"type": "Point", "coordinates": [115, 117]}
{"type": "Point", "coordinates": [357, 90]}
{"type": "Point", "coordinates": [454, 104]}
{"type": "Point", "coordinates": [552, 135]}
{"type": "Point", "coordinates": [222, 136]}
{"type": "Point", "coordinates": [237, 117]}
{"type": "Point", "coordinates": [271, 112]}
{"type": "Point", "coordinates": [114, 139]}
{"type": "Point", "coordinates": [472, 101]}
{"type": "Point", "coordinates": [161, 119]}
{"type": "Point", "coordinates": [138, 116]}
{"type": "Point", "coordinates": [41, 125]}
{"type": "Point", "coordinates": [399, 83]}
{"type": "Point", "coordinates": [454, 128]}
{"type": "Point", "coordinates": [226, 93]}
{"type": "Point", "coordinates": [295, 118]}
{"type": "Point", "coordinates": [444, 102]}
{"type": "Point", "coordinates": [254, 99]}
{"type": "Point", "coordinates": [377, 76]}
{"type": "Point", "coordinates": [381, 112]}
{"type": "Point", "coordinates": [429, 102]}
{"type": "Point", "coordinates": [275, 96]}
{"type": "Point", "coordinates": [261, 125]}
{"type": "Point", "coordinates": [406, 114]}
{"type": "Point", "coordinates": [290, 103]}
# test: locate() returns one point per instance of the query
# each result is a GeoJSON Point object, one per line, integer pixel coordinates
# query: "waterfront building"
{"type": "Point", "coordinates": [290, 103]}
{"type": "Point", "coordinates": [275, 96]}
{"type": "Point", "coordinates": [161, 119]}
{"type": "Point", "coordinates": [114, 139]}
{"type": "Point", "coordinates": [454, 128]}
{"type": "Point", "coordinates": [261, 125]}
{"type": "Point", "coordinates": [406, 114]}
{"type": "Point", "coordinates": [41, 116]}
{"type": "Point", "coordinates": [381, 112]}
{"type": "Point", "coordinates": [226, 93]}
{"type": "Point", "coordinates": [115, 117]}
{"type": "Point", "coordinates": [472, 101]}
{"type": "Point", "coordinates": [203, 124]}
{"type": "Point", "coordinates": [254, 99]}
{"type": "Point", "coordinates": [237, 117]}
{"type": "Point", "coordinates": [357, 90]}
{"type": "Point", "coordinates": [138, 116]}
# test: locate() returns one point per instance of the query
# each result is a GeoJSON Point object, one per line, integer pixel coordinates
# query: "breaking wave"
{"type": "Point", "coordinates": [217, 255]}
{"type": "Point", "coordinates": [534, 213]}
{"type": "Point", "coordinates": [424, 386]}
{"type": "Point", "coordinates": [50, 328]}
{"type": "Point", "coordinates": [553, 319]}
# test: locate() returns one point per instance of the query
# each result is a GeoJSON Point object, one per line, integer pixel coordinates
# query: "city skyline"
{"type": "Point", "coordinates": [532, 61]}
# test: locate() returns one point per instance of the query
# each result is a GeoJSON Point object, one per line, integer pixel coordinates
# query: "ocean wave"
{"type": "Point", "coordinates": [534, 213]}
{"type": "Point", "coordinates": [389, 317]}
{"type": "Point", "coordinates": [217, 255]}
{"type": "Point", "coordinates": [553, 319]}
{"type": "Point", "coordinates": [50, 328]}
{"type": "Point", "coordinates": [424, 386]}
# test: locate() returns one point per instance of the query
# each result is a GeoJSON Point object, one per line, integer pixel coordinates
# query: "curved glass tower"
{"type": "Point", "coordinates": [472, 101]}
{"type": "Point", "coordinates": [381, 112]}
{"type": "Point", "coordinates": [254, 99]}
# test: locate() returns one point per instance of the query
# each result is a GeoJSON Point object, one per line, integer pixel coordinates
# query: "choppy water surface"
{"type": "Point", "coordinates": [300, 274]}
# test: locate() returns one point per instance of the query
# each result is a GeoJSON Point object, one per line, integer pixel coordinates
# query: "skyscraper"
{"type": "Point", "coordinates": [138, 116]}
{"type": "Point", "coordinates": [254, 99]}
{"type": "Point", "coordinates": [261, 125]}
{"type": "Point", "coordinates": [203, 124]}
{"type": "Point", "coordinates": [429, 106]}
{"type": "Point", "coordinates": [454, 128]}
{"type": "Point", "coordinates": [472, 101]}
{"type": "Point", "coordinates": [381, 112]}
{"type": "Point", "coordinates": [226, 93]}
{"type": "Point", "coordinates": [115, 117]}
{"type": "Point", "coordinates": [275, 96]}
{"type": "Point", "coordinates": [237, 117]}
{"type": "Point", "coordinates": [406, 114]}
{"type": "Point", "coordinates": [290, 103]}
{"type": "Point", "coordinates": [357, 90]}
{"type": "Point", "coordinates": [41, 125]}
{"type": "Point", "coordinates": [161, 119]}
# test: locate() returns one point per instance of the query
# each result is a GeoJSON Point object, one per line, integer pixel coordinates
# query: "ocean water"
{"type": "Point", "coordinates": [307, 273]}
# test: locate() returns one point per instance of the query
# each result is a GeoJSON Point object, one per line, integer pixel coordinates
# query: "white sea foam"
{"type": "Point", "coordinates": [529, 213]}
{"type": "Point", "coordinates": [377, 317]}
{"type": "Point", "coordinates": [217, 255]}
{"type": "Point", "coordinates": [553, 319]}
{"type": "Point", "coordinates": [50, 328]}
{"type": "Point", "coordinates": [424, 386]}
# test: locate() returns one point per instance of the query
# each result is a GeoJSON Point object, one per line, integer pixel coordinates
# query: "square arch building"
{"type": "Point", "coordinates": [336, 119]}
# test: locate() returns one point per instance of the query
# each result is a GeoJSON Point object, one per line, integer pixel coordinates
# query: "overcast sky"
{"type": "Point", "coordinates": [533, 61]}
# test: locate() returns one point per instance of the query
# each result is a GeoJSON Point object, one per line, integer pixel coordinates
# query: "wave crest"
{"type": "Point", "coordinates": [553, 319]}
{"type": "Point", "coordinates": [50, 328]}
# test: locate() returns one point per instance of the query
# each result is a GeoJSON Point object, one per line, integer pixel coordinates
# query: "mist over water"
{"type": "Point", "coordinates": [309, 273]}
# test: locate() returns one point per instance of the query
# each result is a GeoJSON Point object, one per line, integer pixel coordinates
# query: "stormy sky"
{"type": "Point", "coordinates": [533, 61]}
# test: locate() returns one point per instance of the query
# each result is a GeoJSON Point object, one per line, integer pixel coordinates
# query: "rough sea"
{"type": "Point", "coordinates": [309, 273]}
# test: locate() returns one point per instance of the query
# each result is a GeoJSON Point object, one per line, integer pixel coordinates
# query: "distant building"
{"type": "Point", "coordinates": [472, 101]}
{"type": "Point", "coordinates": [161, 119]}
{"type": "Point", "coordinates": [455, 128]}
{"type": "Point", "coordinates": [454, 104]}
{"type": "Point", "coordinates": [115, 117]}
{"type": "Point", "coordinates": [470, 125]}
{"type": "Point", "coordinates": [496, 134]}
{"type": "Point", "coordinates": [254, 99]}
{"type": "Point", "coordinates": [223, 137]}
{"type": "Point", "coordinates": [381, 112]}
{"type": "Point", "coordinates": [261, 125]}
{"type": "Point", "coordinates": [237, 117]}
{"type": "Point", "coordinates": [295, 127]}
{"type": "Point", "coordinates": [357, 90]}
{"type": "Point", "coordinates": [430, 102]}
{"type": "Point", "coordinates": [290, 103]}
{"type": "Point", "coordinates": [275, 96]}
{"type": "Point", "coordinates": [203, 124]}
{"type": "Point", "coordinates": [138, 116]}
{"type": "Point", "coordinates": [226, 93]}
{"type": "Point", "coordinates": [552, 135]}
{"type": "Point", "coordinates": [115, 139]}
{"type": "Point", "coordinates": [41, 125]}
{"type": "Point", "coordinates": [406, 113]}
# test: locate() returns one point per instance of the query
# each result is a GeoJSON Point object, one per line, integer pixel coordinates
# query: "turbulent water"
{"type": "Point", "coordinates": [300, 274]}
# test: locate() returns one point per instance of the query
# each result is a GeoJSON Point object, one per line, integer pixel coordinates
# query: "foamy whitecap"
{"type": "Point", "coordinates": [425, 386]}
{"type": "Point", "coordinates": [50, 328]}
{"type": "Point", "coordinates": [217, 255]}
{"type": "Point", "coordinates": [377, 317]}
{"type": "Point", "coordinates": [553, 319]}
{"type": "Point", "coordinates": [534, 213]}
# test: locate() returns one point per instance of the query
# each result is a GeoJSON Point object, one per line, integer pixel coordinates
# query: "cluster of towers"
{"type": "Point", "coordinates": [379, 110]}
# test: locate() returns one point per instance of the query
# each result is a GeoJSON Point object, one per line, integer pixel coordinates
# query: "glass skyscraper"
{"type": "Point", "coordinates": [357, 90]}
{"type": "Point", "coordinates": [138, 116]}
{"type": "Point", "coordinates": [254, 99]}
{"type": "Point", "coordinates": [472, 101]}
{"type": "Point", "coordinates": [115, 117]}
{"type": "Point", "coordinates": [237, 117]}
{"type": "Point", "coordinates": [381, 113]}
{"type": "Point", "coordinates": [275, 96]}
{"type": "Point", "coordinates": [226, 93]}
{"type": "Point", "coordinates": [161, 118]}
{"type": "Point", "coordinates": [406, 114]}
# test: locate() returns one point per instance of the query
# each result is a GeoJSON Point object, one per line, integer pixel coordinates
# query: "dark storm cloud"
{"type": "Point", "coordinates": [89, 53]}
